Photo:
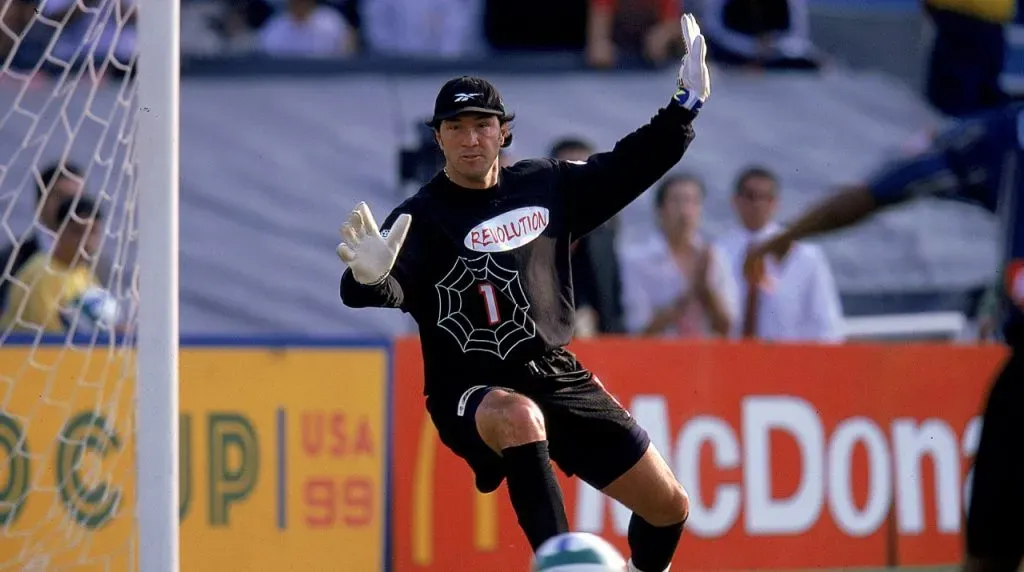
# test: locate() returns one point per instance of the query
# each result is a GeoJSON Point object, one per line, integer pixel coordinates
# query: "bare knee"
{"type": "Point", "coordinates": [507, 419]}
{"type": "Point", "coordinates": [651, 491]}
{"type": "Point", "coordinates": [672, 506]}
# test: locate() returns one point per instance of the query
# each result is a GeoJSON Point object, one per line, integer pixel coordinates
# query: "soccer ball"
{"type": "Point", "coordinates": [98, 308]}
{"type": "Point", "coordinates": [578, 552]}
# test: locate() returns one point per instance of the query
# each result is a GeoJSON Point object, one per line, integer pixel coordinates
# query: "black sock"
{"type": "Point", "coordinates": [652, 546]}
{"type": "Point", "coordinates": [535, 494]}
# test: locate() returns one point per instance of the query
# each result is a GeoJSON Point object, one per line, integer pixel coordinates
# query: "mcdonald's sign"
{"type": "Point", "coordinates": [794, 457]}
{"type": "Point", "coordinates": [440, 521]}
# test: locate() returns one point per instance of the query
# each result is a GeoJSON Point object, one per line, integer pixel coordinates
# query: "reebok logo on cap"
{"type": "Point", "coordinates": [467, 94]}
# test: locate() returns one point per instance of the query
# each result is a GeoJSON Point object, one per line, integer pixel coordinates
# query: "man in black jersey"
{"type": "Point", "coordinates": [485, 271]}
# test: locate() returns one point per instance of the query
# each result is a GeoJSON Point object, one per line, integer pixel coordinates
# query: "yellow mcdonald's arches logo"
{"type": "Point", "coordinates": [485, 506]}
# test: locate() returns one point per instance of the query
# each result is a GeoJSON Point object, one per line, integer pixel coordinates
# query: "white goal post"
{"type": "Point", "coordinates": [157, 382]}
{"type": "Point", "coordinates": [89, 333]}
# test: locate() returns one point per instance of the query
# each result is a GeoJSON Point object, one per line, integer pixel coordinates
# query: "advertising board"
{"type": "Point", "coordinates": [793, 456]}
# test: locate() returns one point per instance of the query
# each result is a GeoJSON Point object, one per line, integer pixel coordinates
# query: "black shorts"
{"type": "Point", "coordinates": [995, 529]}
{"type": "Point", "coordinates": [589, 433]}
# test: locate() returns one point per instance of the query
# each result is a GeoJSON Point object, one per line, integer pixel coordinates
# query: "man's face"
{"type": "Point", "coordinates": [756, 202]}
{"type": "Point", "coordinates": [683, 206]}
{"type": "Point", "coordinates": [78, 238]}
{"type": "Point", "coordinates": [63, 188]}
{"type": "Point", "coordinates": [470, 143]}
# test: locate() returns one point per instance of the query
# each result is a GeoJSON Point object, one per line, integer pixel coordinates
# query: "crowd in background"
{"type": "Point", "coordinates": [977, 54]}
{"type": "Point", "coordinates": [768, 33]}
{"type": "Point", "coordinates": [684, 283]}
{"type": "Point", "coordinates": [681, 282]}
{"type": "Point", "coordinates": [765, 33]}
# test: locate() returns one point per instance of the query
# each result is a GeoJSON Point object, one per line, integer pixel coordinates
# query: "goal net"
{"type": "Point", "coordinates": [68, 277]}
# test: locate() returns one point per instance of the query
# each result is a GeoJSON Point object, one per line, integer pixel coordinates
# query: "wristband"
{"type": "Point", "coordinates": [688, 99]}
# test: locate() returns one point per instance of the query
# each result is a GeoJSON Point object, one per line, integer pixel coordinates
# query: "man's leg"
{"type": "Point", "coordinates": [660, 508]}
{"type": "Point", "coordinates": [995, 535]}
{"type": "Point", "coordinates": [594, 437]}
{"type": "Point", "coordinates": [513, 426]}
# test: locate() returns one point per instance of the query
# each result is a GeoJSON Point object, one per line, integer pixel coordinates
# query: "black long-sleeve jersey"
{"type": "Point", "coordinates": [486, 273]}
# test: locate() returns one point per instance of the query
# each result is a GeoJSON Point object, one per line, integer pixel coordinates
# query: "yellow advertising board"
{"type": "Point", "coordinates": [283, 458]}
{"type": "Point", "coordinates": [66, 459]}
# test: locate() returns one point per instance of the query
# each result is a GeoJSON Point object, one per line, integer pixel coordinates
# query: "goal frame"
{"type": "Point", "coordinates": [156, 413]}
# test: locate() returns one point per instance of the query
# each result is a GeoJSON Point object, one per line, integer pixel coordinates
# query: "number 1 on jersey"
{"type": "Point", "coordinates": [490, 303]}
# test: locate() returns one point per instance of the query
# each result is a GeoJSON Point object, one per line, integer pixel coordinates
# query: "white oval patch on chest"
{"type": "Point", "coordinates": [508, 231]}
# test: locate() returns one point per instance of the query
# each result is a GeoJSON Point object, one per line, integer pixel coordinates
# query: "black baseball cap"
{"type": "Point", "coordinates": [467, 94]}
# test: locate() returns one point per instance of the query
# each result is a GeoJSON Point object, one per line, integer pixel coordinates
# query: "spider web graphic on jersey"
{"type": "Point", "coordinates": [453, 290]}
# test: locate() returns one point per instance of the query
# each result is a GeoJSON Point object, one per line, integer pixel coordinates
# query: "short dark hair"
{"type": "Point", "coordinates": [567, 144]}
{"type": "Point", "coordinates": [661, 192]}
{"type": "Point", "coordinates": [81, 207]}
{"type": "Point", "coordinates": [507, 120]}
{"type": "Point", "coordinates": [754, 172]}
{"type": "Point", "coordinates": [54, 170]}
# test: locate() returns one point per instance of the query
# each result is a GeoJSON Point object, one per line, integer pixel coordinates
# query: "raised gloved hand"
{"type": "Point", "coordinates": [369, 255]}
{"type": "Point", "coordinates": [693, 83]}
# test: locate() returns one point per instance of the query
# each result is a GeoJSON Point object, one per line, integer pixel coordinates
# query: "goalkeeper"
{"type": "Point", "coordinates": [979, 161]}
{"type": "Point", "coordinates": [480, 258]}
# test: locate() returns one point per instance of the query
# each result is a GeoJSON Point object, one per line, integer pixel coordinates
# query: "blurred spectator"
{"type": "Point", "coordinates": [536, 25]}
{"type": "Point", "coordinates": [678, 283]}
{"type": "Point", "coordinates": [350, 9]}
{"type": "Point", "coordinates": [990, 310]}
{"type": "Point", "coordinates": [1011, 81]}
{"type": "Point", "coordinates": [427, 28]}
{"type": "Point", "coordinates": [51, 283]}
{"type": "Point", "coordinates": [97, 30]}
{"type": "Point", "coordinates": [420, 158]}
{"type": "Point", "coordinates": [648, 27]}
{"type": "Point", "coordinates": [967, 54]}
{"type": "Point", "coordinates": [236, 21]}
{"type": "Point", "coordinates": [771, 34]}
{"type": "Point", "coordinates": [57, 183]}
{"type": "Point", "coordinates": [803, 304]}
{"type": "Point", "coordinates": [15, 17]}
{"type": "Point", "coordinates": [307, 29]}
{"type": "Point", "coordinates": [595, 268]}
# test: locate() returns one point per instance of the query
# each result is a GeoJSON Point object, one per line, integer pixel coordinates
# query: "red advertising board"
{"type": "Point", "coordinates": [794, 457]}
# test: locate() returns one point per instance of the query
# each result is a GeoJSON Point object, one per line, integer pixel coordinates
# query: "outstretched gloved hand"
{"type": "Point", "coordinates": [694, 82]}
{"type": "Point", "coordinates": [369, 255]}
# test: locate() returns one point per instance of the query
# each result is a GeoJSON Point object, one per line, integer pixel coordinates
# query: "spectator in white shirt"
{"type": "Point", "coordinates": [423, 28]}
{"type": "Point", "coordinates": [306, 29]}
{"type": "Point", "coordinates": [769, 34]}
{"type": "Point", "coordinates": [802, 304]}
{"type": "Point", "coordinates": [678, 284]}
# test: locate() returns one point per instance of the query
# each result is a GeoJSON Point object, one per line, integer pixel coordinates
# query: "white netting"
{"type": "Point", "coordinates": [67, 101]}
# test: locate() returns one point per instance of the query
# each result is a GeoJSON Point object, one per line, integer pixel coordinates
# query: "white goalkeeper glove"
{"type": "Point", "coordinates": [369, 255]}
{"type": "Point", "coordinates": [693, 85]}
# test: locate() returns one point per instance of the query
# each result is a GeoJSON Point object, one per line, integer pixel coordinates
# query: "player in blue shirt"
{"type": "Point", "coordinates": [980, 160]}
